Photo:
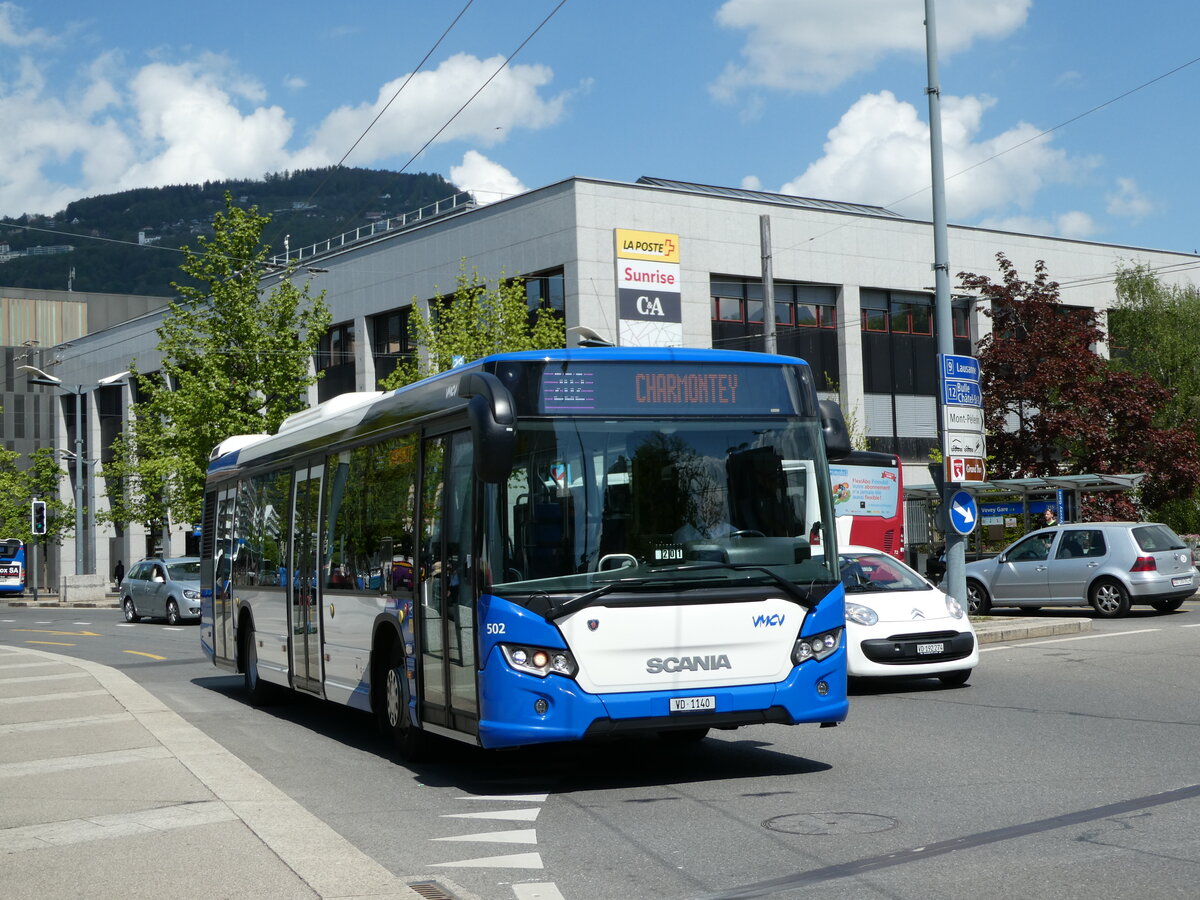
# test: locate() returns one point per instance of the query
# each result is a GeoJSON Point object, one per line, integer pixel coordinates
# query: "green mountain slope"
{"type": "Point", "coordinates": [307, 206]}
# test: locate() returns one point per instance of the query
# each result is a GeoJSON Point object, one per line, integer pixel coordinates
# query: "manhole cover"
{"type": "Point", "coordinates": [830, 823]}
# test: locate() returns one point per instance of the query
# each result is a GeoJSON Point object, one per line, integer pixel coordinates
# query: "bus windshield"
{"type": "Point", "coordinates": [660, 503]}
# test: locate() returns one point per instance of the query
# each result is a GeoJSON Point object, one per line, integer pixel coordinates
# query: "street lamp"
{"type": "Point", "coordinates": [45, 379]}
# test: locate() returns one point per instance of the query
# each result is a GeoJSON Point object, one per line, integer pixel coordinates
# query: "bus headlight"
{"type": "Point", "coordinates": [816, 646]}
{"type": "Point", "coordinates": [539, 661]}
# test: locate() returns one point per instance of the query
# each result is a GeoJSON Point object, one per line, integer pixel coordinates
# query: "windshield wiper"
{"type": "Point", "coordinates": [569, 606]}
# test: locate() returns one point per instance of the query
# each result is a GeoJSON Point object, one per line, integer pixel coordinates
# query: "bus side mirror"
{"type": "Point", "coordinates": [833, 426]}
{"type": "Point", "coordinates": [493, 425]}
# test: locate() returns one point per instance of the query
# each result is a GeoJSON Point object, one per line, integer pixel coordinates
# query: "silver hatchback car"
{"type": "Point", "coordinates": [1109, 565]}
{"type": "Point", "coordinates": [162, 588]}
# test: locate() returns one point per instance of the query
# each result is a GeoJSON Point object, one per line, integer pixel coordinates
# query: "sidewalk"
{"type": "Point", "coordinates": [106, 793]}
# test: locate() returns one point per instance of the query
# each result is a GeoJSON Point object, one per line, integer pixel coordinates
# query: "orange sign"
{"type": "Point", "coordinates": [965, 468]}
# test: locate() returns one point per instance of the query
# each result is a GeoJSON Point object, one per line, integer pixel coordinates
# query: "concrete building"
{"type": "Point", "coordinates": [852, 290]}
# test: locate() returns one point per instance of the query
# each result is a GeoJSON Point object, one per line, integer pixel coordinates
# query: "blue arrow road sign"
{"type": "Point", "coordinates": [964, 512]}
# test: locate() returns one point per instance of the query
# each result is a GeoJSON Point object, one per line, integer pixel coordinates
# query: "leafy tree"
{"type": "Point", "coordinates": [1155, 329]}
{"type": "Point", "coordinates": [234, 362]}
{"type": "Point", "coordinates": [18, 486]}
{"type": "Point", "coordinates": [475, 321]}
{"type": "Point", "coordinates": [1052, 405]}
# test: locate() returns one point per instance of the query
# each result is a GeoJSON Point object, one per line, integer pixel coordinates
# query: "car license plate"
{"type": "Point", "coordinates": [691, 704]}
{"type": "Point", "coordinates": [929, 649]}
{"type": "Point", "coordinates": [1181, 581]}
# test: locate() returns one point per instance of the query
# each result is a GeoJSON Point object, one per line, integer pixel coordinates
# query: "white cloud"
{"type": "Point", "coordinates": [1128, 202]}
{"type": "Point", "coordinates": [752, 183]}
{"type": "Point", "coordinates": [13, 32]}
{"type": "Point", "coordinates": [879, 154]}
{"type": "Point", "coordinates": [512, 100]}
{"type": "Point", "coordinates": [815, 45]}
{"type": "Point", "coordinates": [1075, 224]}
{"type": "Point", "coordinates": [487, 180]}
{"type": "Point", "coordinates": [202, 119]}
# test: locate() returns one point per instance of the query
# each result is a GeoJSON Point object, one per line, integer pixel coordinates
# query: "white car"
{"type": "Point", "coordinates": [898, 625]}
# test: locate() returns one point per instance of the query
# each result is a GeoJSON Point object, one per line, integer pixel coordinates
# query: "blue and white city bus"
{"type": "Point", "coordinates": [540, 546]}
{"type": "Point", "coordinates": [12, 567]}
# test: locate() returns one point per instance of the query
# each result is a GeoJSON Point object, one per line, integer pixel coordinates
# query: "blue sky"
{"type": "Point", "coordinates": [811, 97]}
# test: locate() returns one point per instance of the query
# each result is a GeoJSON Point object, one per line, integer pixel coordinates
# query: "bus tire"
{"type": "Point", "coordinates": [259, 692]}
{"type": "Point", "coordinates": [410, 743]}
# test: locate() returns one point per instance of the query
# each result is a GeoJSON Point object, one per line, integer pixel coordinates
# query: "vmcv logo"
{"type": "Point", "coordinates": [768, 621]}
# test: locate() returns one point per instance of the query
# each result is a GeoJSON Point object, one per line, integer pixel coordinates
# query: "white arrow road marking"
{"type": "Point", "coordinates": [516, 861]}
{"type": "Point", "coordinates": [518, 836]}
{"type": "Point", "coordinates": [512, 815]}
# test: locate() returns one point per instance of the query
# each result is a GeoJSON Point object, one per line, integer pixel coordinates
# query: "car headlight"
{"type": "Point", "coordinates": [539, 661]}
{"type": "Point", "coordinates": [953, 607]}
{"type": "Point", "coordinates": [191, 595]}
{"type": "Point", "coordinates": [863, 615]}
{"type": "Point", "coordinates": [816, 646]}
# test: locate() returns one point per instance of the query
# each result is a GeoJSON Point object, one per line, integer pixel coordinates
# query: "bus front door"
{"type": "Point", "coordinates": [449, 693]}
{"type": "Point", "coordinates": [305, 609]}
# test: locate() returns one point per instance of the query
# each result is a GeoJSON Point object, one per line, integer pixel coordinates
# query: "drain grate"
{"type": "Point", "coordinates": [831, 823]}
{"type": "Point", "coordinates": [431, 890]}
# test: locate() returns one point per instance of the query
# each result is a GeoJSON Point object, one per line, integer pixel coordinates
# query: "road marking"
{"type": "Point", "coordinates": [516, 861]}
{"type": "Point", "coordinates": [512, 815]}
{"type": "Point", "coordinates": [547, 891]}
{"type": "Point", "coordinates": [518, 836]}
{"type": "Point", "coordinates": [52, 643]}
{"type": "Point", "coordinates": [99, 828]}
{"type": "Point", "coordinates": [48, 631]}
{"type": "Point", "coordinates": [86, 761]}
{"type": "Point", "coordinates": [1083, 637]}
{"type": "Point", "coordinates": [1196, 625]}
{"type": "Point", "coordinates": [28, 665]}
{"type": "Point", "coordinates": [140, 653]}
{"type": "Point", "coordinates": [509, 798]}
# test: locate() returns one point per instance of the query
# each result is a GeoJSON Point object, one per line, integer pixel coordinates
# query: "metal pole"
{"type": "Point", "coordinates": [955, 582]}
{"type": "Point", "coordinates": [79, 535]}
{"type": "Point", "coordinates": [771, 342]}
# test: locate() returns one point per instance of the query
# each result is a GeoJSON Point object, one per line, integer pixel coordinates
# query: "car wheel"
{"type": "Point", "coordinates": [978, 601]}
{"type": "Point", "coordinates": [395, 720]}
{"type": "Point", "coordinates": [173, 617]}
{"type": "Point", "coordinates": [1110, 599]}
{"type": "Point", "coordinates": [1166, 606]}
{"type": "Point", "coordinates": [955, 679]}
{"type": "Point", "coordinates": [130, 613]}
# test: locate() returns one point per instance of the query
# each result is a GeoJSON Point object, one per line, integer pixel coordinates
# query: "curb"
{"type": "Point", "coordinates": [994, 631]}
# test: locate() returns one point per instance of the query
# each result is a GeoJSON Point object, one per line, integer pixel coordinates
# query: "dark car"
{"type": "Point", "coordinates": [162, 588]}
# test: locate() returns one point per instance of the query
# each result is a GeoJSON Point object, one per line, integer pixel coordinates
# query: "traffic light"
{"type": "Point", "coordinates": [37, 517]}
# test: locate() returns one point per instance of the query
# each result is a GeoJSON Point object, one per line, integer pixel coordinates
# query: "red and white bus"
{"type": "Point", "coordinates": [868, 497]}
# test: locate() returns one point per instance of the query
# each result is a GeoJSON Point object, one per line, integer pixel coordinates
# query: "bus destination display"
{"type": "Point", "coordinates": [621, 388]}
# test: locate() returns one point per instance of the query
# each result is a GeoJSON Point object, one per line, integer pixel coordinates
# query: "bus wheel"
{"type": "Point", "coordinates": [684, 735]}
{"type": "Point", "coordinates": [394, 718]}
{"type": "Point", "coordinates": [258, 691]}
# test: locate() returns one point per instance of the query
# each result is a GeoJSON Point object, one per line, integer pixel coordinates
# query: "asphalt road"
{"type": "Point", "coordinates": [1066, 768]}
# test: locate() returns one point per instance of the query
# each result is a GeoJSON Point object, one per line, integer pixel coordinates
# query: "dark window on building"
{"type": "Point", "coordinates": [546, 290]}
{"type": "Point", "coordinates": [805, 321]}
{"type": "Point", "coordinates": [390, 341]}
{"type": "Point", "coordinates": [335, 358]}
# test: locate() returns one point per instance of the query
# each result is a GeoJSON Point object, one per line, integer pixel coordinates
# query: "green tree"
{"type": "Point", "coordinates": [1154, 329]}
{"type": "Point", "coordinates": [234, 361]}
{"type": "Point", "coordinates": [1053, 406]}
{"type": "Point", "coordinates": [475, 321]}
{"type": "Point", "coordinates": [37, 480]}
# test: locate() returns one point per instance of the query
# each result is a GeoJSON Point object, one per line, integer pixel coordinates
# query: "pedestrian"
{"type": "Point", "coordinates": [119, 573]}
